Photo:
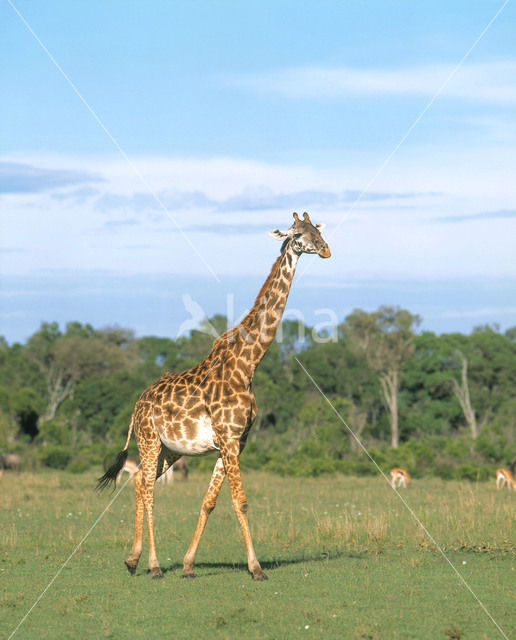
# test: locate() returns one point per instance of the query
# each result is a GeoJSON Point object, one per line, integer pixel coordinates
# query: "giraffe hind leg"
{"type": "Point", "coordinates": [136, 550]}
{"type": "Point", "coordinates": [144, 487]}
{"type": "Point", "coordinates": [149, 467]}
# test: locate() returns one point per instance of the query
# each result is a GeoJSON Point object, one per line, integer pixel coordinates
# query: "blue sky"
{"type": "Point", "coordinates": [221, 118]}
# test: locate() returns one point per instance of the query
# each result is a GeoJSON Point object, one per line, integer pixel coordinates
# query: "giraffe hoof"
{"type": "Point", "coordinates": [188, 575]}
{"type": "Point", "coordinates": [156, 573]}
{"type": "Point", "coordinates": [261, 575]}
{"type": "Point", "coordinates": [130, 567]}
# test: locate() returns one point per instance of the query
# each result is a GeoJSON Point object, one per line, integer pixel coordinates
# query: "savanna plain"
{"type": "Point", "coordinates": [344, 556]}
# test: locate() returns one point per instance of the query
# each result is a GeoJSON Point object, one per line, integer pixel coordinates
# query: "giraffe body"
{"type": "Point", "coordinates": [211, 407]}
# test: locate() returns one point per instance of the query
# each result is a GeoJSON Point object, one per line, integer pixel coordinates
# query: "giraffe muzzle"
{"type": "Point", "coordinates": [325, 252]}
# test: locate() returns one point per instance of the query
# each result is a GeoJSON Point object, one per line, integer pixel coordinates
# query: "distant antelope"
{"type": "Point", "coordinates": [181, 466]}
{"type": "Point", "coordinates": [168, 477]}
{"type": "Point", "coordinates": [505, 477]}
{"type": "Point", "coordinates": [10, 461]}
{"type": "Point", "coordinates": [399, 478]}
{"type": "Point", "coordinates": [131, 468]}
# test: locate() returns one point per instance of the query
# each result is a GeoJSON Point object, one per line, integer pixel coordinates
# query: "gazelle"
{"type": "Point", "coordinates": [505, 477]}
{"type": "Point", "coordinates": [179, 465]}
{"type": "Point", "coordinates": [399, 478]}
{"type": "Point", "coordinates": [131, 468]}
{"type": "Point", "coordinates": [167, 477]}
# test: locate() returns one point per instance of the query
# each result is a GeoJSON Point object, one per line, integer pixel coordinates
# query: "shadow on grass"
{"type": "Point", "coordinates": [213, 568]}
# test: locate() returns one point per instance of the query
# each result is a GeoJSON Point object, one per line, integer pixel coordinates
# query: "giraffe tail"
{"type": "Point", "coordinates": [112, 472]}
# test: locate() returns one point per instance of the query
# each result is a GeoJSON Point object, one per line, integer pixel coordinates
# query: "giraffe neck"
{"type": "Point", "coordinates": [259, 326]}
{"type": "Point", "coordinates": [253, 336]}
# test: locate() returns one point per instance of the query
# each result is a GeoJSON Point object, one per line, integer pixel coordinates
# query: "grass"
{"type": "Point", "coordinates": [344, 556]}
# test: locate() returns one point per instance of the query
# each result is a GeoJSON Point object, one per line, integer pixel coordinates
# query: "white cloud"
{"type": "Point", "coordinates": [491, 82]}
{"type": "Point", "coordinates": [485, 215]}
{"type": "Point", "coordinates": [256, 199]}
{"type": "Point", "coordinates": [18, 177]}
{"type": "Point", "coordinates": [225, 206]}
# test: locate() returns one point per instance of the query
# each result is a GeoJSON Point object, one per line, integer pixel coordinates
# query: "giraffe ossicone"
{"type": "Point", "coordinates": [211, 407]}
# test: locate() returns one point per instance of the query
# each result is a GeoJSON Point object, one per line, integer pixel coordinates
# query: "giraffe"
{"type": "Point", "coordinates": [211, 407]}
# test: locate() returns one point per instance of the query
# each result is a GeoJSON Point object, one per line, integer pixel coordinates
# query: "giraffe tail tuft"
{"type": "Point", "coordinates": [111, 474]}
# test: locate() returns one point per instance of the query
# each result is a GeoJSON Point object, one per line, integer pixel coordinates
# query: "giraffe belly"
{"type": "Point", "coordinates": [195, 441]}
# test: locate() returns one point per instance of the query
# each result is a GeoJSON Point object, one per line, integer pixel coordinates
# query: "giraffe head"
{"type": "Point", "coordinates": [304, 237]}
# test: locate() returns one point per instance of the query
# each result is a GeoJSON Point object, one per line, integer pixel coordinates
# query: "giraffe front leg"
{"type": "Point", "coordinates": [230, 456]}
{"type": "Point", "coordinates": [208, 504]}
{"type": "Point", "coordinates": [136, 550]}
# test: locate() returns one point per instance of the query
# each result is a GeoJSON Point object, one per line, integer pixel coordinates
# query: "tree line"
{"type": "Point", "coordinates": [439, 404]}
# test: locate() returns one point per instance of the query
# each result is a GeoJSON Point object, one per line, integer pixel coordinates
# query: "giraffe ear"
{"type": "Point", "coordinates": [319, 226]}
{"type": "Point", "coordinates": [280, 235]}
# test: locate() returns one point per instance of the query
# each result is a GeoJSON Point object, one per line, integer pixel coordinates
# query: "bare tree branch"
{"type": "Point", "coordinates": [462, 393]}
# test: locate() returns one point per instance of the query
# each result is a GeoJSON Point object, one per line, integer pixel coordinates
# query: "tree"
{"type": "Point", "coordinates": [194, 347]}
{"type": "Point", "coordinates": [487, 362]}
{"type": "Point", "coordinates": [290, 338]}
{"type": "Point", "coordinates": [461, 391]}
{"type": "Point", "coordinates": [65, 358]}
{"type": "Point", "coordinates": [385, 337]}
{"type": "Point", "coordinates": [343, 372]}
{"type": "Point", "coordinates": [430, 407]}
{"type": "Point", "coordinates": [511, 334]}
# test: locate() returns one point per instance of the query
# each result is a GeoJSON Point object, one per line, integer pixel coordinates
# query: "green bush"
{"type": "Point", "coordinates": [459, 447]}
{"type": "Point", "coordinates": [314, 467]}
{"type": "Point", "coordinates": [444, 470]}
{"type": "Point", "coordinates": [491, 444]}
{"type": "Point", "coordinates": [473, 472]}
{"type": "Point", "coordinates": [78, 465]}
{"type": "Point", "coordinates": [55, 457]}
{"type": "Point", "coordinates": [360, 467]}
{"type": "Point", "coordinates": [53, 432]}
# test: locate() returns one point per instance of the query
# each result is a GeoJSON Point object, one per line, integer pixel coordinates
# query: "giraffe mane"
{"type": "Point", "coordinates": [265, 286]}
{"type": "Point", "coordinates": [234, 333]}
